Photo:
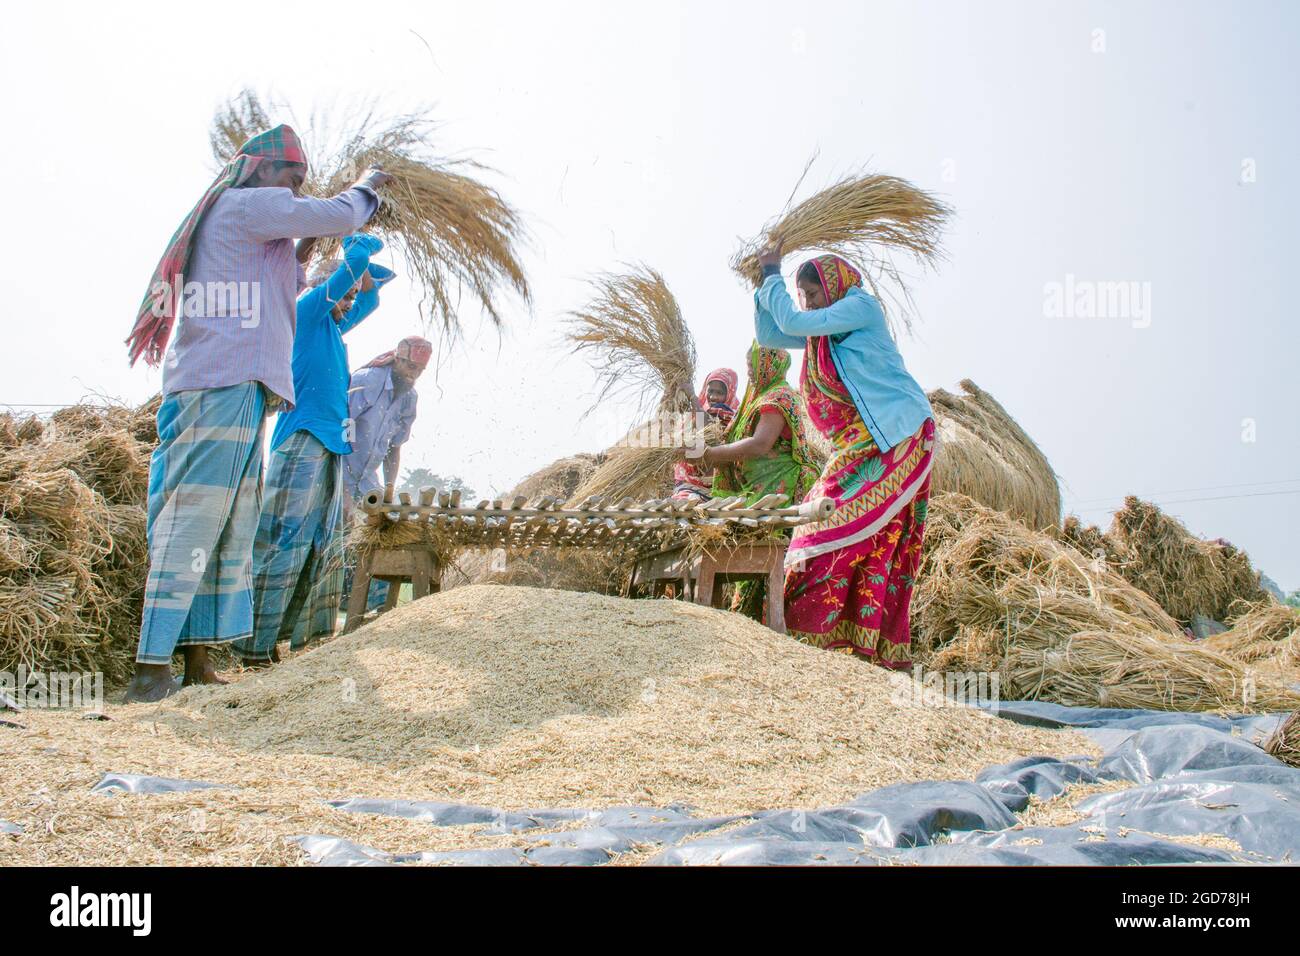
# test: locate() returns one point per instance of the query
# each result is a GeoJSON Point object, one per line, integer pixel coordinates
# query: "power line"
{"type": "Point", "coordinates": [1187, 491]}
{"type": "Point", "coordinates": [1186, 501]}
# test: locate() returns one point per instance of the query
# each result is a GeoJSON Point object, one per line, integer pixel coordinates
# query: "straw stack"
{"type": "Point", "coordinates": [984, 454]}
{"type": "Point", "coordinates": [1187, 575]}
{"type": "Point", "coordinates": [1056, 625]}
{"type": "Point", "coordinates": [73, 554]}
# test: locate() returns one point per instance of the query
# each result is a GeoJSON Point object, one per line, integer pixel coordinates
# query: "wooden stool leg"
{"type": "Point", "coordinates": [390, 600]}
{"type": "Point", "coordinates": [422, 576]}
{"type": "Point", "coordinates": [357, 596]}
{"type": "Point", "coordinates": [704, 583]}
{"type": "Point", "coordinates": [775, 596]}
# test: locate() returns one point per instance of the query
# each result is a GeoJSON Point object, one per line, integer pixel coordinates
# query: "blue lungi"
{"type": "Point", "coordinates": [204, 498]}
{"type": "Point", "coordinates": [297, 568]}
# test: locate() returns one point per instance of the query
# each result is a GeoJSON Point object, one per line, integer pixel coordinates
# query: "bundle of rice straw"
{"type": "Point", "coordinates": [1089, 540]}
{"type": "Point", "coordinates": [863, 218]}
{"type": "Point", "coordinates": [455, 232]}
{"type": "Point", "coordinates": [1284, 743]}
{"type": "Point", "coordinates": [73, 553]}
{"type": "Point", "coordinates": [984, 454]}
{"type": "Point", "coordinates": [8, 431]}
{"type": "Point", "coordinates": [638, 340]}
{"type": "Point", "coordinates": [997, 596]}
{"type": "Point", "coordinates": [640, 469]}
{"type": "Point", "coordinates": [1187, 575]}
{"type": "Point", "coordinates": [636, 337]}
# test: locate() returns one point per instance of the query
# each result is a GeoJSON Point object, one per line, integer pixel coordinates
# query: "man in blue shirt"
{"type": "Point", "coordinates": [302, 508]}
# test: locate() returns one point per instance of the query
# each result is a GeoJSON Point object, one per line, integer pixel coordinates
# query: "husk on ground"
{"type": "Point", "coordinates": [1057, 625]}
{"type": "Point", "coordinates": [515, 698]}
{"type": "Point", "coordinates": [864, 218]}
{"type": "Point", "coordinates": [73, 555]}
{"type": "Point", "coordinates": [984, 454]}
{"type": "Point", "coordinates": [456, 233]}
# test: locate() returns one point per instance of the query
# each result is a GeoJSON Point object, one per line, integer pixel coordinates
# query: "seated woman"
{"type": "Point", "coordinates": [766, 450]}
{"type": "Point", "coordinates": [718, 399]}
{"type": "Point", "coordinates": [849, 579]}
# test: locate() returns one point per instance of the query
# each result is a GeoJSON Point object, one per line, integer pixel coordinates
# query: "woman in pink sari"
{"type": "Point", "coordinates": [718, 399]}
{"type": "Point", "coordinates": [849, 579]}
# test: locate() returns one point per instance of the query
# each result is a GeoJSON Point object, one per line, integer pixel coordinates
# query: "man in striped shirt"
{"type": "Point", "coordinates": [229, 281]}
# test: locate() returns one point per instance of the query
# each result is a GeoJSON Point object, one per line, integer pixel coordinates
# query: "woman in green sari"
{"type": "Point", "coordinates": [766, 450]}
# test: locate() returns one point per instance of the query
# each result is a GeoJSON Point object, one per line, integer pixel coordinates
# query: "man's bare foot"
{"type": "Point", "coordinates": [198, 669]}
{"type": "Point", "coordinates": [151, 683]}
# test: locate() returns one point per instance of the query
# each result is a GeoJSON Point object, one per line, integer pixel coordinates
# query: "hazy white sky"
{"type": "Point", "coordinates": [1104, 141]}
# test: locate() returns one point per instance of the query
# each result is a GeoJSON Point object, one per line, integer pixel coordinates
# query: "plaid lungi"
{"type": "Point", "coordinates": [296, 566]}
{"type": "Point", "coordinates": [204, 497]}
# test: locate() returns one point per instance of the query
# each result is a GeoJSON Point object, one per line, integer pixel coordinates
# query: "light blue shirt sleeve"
{"type": "Point", "coordinates": [362, 392]}
{"type": "Point", "coordinates": [766, 332]}
{"type": "Point", "coordinates": [403, 433]}
{"type": "Point", "coordinates": [851, 312]}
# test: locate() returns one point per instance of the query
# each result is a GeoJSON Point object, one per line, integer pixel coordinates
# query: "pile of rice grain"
{"type": "Point", "coordinates": [522, 697]}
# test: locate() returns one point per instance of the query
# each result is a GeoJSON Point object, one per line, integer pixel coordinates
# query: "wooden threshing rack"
{"type": "Point", "coordinates": [655, 534]}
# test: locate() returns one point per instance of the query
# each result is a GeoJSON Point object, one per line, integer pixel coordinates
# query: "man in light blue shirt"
{"type": "Point", "coordinates": [382, 404]}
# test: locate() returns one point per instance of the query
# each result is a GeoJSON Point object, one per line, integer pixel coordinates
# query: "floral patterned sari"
{"type": "Point", "coordinates": [849, 579]}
